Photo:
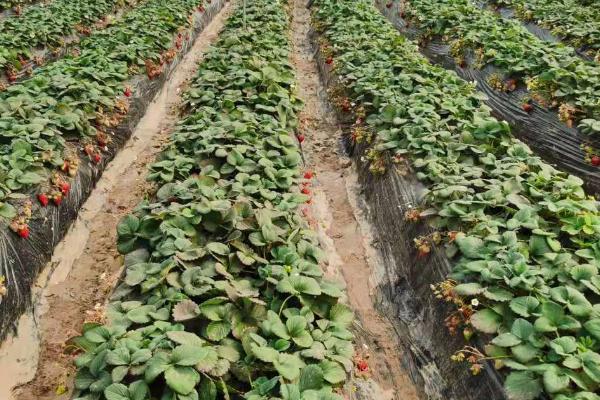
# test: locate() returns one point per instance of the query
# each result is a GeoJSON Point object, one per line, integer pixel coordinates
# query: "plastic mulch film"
{"type": "Point", "coordinates": [22, 260]}
{"type": "Point", "coordinates": [541, 129]}
{"type": "Point", "coordinates": [402, 291]}
{"type": "Point", "coordinates": [541, 32]}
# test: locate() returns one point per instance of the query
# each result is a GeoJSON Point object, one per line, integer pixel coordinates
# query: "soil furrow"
{"type": "Point", "coordinates": [333, 215]}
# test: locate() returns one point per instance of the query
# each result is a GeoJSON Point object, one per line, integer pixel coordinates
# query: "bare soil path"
{"type": "Point", "coordinates": [335, 215]}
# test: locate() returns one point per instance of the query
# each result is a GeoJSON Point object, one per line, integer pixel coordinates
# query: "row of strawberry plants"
{"type": "Point", "coordinates": [553, 73]}
{"type": "Point", "coordinates": [223, 295]}
{"type": "Point", "coordinates": [524, 237]}
{"type": "Point", "coordinates": [65, 112]}
{"type": "Point", "coordinates": [47, 26]}
{"type": "Point", "coordinates": [15, 5]}
{"type": "Point", "coordinates": [580, 26]}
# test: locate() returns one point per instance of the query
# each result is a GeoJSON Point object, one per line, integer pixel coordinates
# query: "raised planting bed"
{"type": "Point", "coordinates": [61, 128]}
{"type": "Point", "coordinates": [569, 20]}
{"type": "Point", "coordinates": [223, 294]}
{"type": "Point", "coordinates": [10, 7]}
{"type": "Point", "coordinates": [42, 32]}
{"type": "Point", "coordinates": [464, 212]}
{"type": "Point", "coordinates": [553, 72]}
{"type": "Point", "coordinates": [570, 149]}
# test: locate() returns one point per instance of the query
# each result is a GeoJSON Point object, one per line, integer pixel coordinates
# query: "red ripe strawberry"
{"type": "Point", "coordinates": [595, 160]}
{"type": "Point", "coordinates": [329, 60]}
{"type": "Point", "coordinates": [57, 199]}
{"type": "Point", "coordinates": [23, 232]}
{"type": "Point", "coordinates": [127, 92]}
{"type": "Point", "coordinates": [65, 166]}
{"type": "Point", "coordinates": [43, 199]}
{"type": "Point", "coordinates": [527, 107]}
{"type": "Point", "coordinates": [97, 158]}
{"type": "Point", "coordinates": [346, 105]}
{"type": "Point", "coordinates": [423, 250]}
{"type": "Point", "coordinates": [362, 366]}
{"type": "Point", "coordinates": [201, 9]}
{"type": "Point", "coordinates": [511, 85]}
{"type": "Point", "coordinates": [305, 191]}
{"type": "Point", "coordinates": [308, 175]}
{"type": "Point", "coordinates": [422, 253]}
{"type": "Point", "coordinates": [300, 138]}
{"type": "Point", "coordinates": [64, 188]}
{"type": "Point", "coordinates": [389, 5]}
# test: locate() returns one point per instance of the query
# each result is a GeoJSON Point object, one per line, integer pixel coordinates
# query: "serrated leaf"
{"type": "Point", "coordinates": [185, 310]}
{"type": "Point", "coordinates": [311, 378]}
{"type": "Point", "coordinates": [522, 385]}
{"type": "Point", "coordinates": [486, 320]}
{"type": "Point", "coordinates": [117, 391]}
{"type": "Point", "coordinates": [341, 314]}
{"type": "Point", "coordinates": [332, 372]}
{"type": "Point", "coordinates": [183, 337]}
{"type": "Point", "coordinates": [182, 379]}
{"type": "Point", "coordinates": [469, 289]}
{"type": "Point", "coordinates": [218, 330]}
{"type": "Point", "coordinates": [288, 366]}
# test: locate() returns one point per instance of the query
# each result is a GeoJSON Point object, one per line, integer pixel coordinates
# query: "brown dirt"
{"type": "Point", "coordinates": [89, 265]}
{"type": "Point", "coordinates": [333, 215]}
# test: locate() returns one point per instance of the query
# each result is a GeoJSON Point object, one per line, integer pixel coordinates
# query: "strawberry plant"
{"type": "Point", "coordinates": [47, 26]}
{"type": "Point", "coordinates": [580, 26]}
{"type": "Point", "coordinates": [554, 74]}
{"type": "Point", "coordinates": [15, 5]}
{"type": "Point", "coordinates": [523, 236]}
{"type": "Point", "coordinates": [223, 294]}
{"type": "Point", "coordinates": [79, 98]}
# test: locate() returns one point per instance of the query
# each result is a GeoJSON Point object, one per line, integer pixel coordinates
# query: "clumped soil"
{"type": "Point", "coordinates": [333, 215]}
{"type": "Point", "coordinates": [87, 257]}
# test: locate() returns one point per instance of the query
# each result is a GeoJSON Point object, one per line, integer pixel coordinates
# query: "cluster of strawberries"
{"type": "Point", "coordinates": [344, 103]}
{"type": "Point", "coordinates": [308, 175]}
{"type": "Point", "coordinates": [60, 187]}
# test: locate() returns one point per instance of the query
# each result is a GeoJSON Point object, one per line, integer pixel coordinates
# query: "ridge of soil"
{"type": "Point", "coordinates": [86, 265]}
{"type": "Point", "coordinates": [336, 220]}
